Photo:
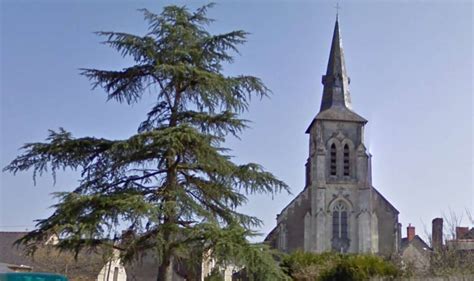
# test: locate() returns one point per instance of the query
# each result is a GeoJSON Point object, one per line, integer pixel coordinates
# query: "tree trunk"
{"type": "Point", "coordinates": [165, 271]}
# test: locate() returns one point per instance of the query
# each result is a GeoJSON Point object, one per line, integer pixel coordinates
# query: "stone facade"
{"type": "Point", "coordinates": [339, 209]}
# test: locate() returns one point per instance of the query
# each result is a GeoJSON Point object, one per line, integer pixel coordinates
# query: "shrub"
{"type": "Point", "coordinates": [334, 267]}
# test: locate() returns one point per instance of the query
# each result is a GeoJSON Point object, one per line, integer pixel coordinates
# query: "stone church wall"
{"type": "Point", "coordinates": [293, 217]}
{"type": "Point", "coordinates": [350, 131]}
{"type": "Point", "coordinates": [387, 224]}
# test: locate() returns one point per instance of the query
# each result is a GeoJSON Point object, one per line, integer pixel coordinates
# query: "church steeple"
{"type": "Point", "coordinates": [336, 102]}
{"type": "Point", "coordinates": [338, 210]}
{"type": "Point", "coordinates": [336, 82]}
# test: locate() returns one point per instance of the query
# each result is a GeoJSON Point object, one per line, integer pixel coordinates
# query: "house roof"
{"type": "Point", "coordinates": [468, 235]}
{"type": "Point", "coordinates": [86, 266]}
{"type": "Point", "coordinates": [417, 242]}
{"type": "Point", "coordinates": [11, 254]}
{"type": "Point", "coordinates": [5, 267]}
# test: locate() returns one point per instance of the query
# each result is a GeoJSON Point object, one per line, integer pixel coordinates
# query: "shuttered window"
{"type": "Point", "coordinates": [333, 157]}
{"type": "Point", "coordinates": [347, 166]}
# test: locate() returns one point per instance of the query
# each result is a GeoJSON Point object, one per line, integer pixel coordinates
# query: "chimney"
{"type": "Point", "coordinates": [461, 231]}
{"type": "Point", "coordinates": [410, 232]}
{"type": "Point", "coordinates": [437, 234]}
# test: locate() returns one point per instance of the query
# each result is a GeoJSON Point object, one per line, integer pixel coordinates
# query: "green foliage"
{"type": "Point", "coordinates": [260, 261]}
{"type": "Point", "coordinates": [334, 267]}
{"type": "Point", "coordinates": [216, 275]}
{"type": "Point", "coordinates": [172, 185]}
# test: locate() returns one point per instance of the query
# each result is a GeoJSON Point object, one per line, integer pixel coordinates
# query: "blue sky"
{"type": "Point", "coordinates": [411, 69]}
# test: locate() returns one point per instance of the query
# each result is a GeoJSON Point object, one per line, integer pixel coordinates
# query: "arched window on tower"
{"type": "Point", "coordinates": [333, 157]}
{"type": "Point", "coordinates": [340, 237]}
{"type": "Point", "coordinates": [347, 166]}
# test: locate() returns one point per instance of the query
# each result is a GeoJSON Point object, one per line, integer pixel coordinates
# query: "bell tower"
{"type": "Point", "coordinates": [338, 166]}
{"type": "Point", "coordinates": [336, 133]}
{"type": "Point", "coordinates": [338, 209]}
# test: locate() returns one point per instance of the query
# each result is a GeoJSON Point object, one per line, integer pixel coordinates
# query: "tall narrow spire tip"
{"type": "Point", "coordinates": [336, 82]}
{"type": "Point", "coordinates": [337, 11]}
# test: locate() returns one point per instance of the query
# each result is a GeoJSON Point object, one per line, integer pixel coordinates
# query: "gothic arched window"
{"type": "Point", "coordinates": [347, 166]}
{"type": "Point", "coordinates": [340, 237]}
{"type": "Point", "coordinates": [333, 157]}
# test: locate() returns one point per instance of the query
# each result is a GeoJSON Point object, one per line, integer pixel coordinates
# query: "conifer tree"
{"type": "Point", "coordinates": [172, 185]}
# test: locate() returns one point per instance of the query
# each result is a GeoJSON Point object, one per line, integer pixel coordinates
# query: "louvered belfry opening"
{"type": "Point", "coordinates": [333, 166]}
{"type": "Point", "coordinates": [347, 166]}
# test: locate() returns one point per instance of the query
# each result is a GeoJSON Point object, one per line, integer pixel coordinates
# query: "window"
{"type": "Point", "coordinates": [333, 156]}
{"type": "Point", "coordinates": [116, 273]}
{"type": "Point", "coordinates": [339, 221]}
{"type": "Point", "coordinates": [347, 166]}
{"type": "Point", "coordinates": [340, 236]}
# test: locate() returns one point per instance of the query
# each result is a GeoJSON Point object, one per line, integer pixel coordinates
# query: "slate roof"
{"type": "Point", "coordinates": [47, 259]}
{"type": "Point", "coordinates": [87, 267]}
{"type": "Point", "coordinates": [9, 253]}
{"type": "Point", "coordinates": [337, 114]}
{"type": "Point", "coordinates": [336, 82]}
{"type": "Point", "coordinates": [468, 235]}
{"type": "Point", "coordinates": [340, 114]}
{"type": "Point", "coordinates": [4, 267]}
{"type": "Point", "coordinates": [385, 200]}
{"type": "Point", "coordinates": [417, 242]}
{"type": "Point", "coordinates": [336, 101]}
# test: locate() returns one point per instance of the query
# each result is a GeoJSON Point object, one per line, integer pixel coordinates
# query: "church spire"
{"type": "Point", "coordinates": [336, 82]}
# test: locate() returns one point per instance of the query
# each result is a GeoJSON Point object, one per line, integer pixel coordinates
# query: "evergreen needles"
{"type": "Point", "coordinates": [172, 186]}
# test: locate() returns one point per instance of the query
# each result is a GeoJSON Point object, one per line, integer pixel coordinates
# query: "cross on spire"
{"type": "Point", "coordinates": [337, 7]}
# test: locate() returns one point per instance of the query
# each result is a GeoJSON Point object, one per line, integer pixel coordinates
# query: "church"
{"type": "Point", "coordinates": [339, 209]}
